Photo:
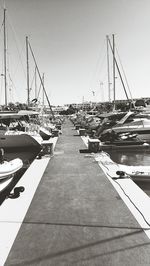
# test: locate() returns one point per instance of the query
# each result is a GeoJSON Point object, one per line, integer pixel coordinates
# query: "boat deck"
{"type": "Point", "coordinates": [76, 217]}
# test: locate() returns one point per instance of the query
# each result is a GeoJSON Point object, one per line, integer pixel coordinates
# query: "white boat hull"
{"type": "Point", "coordinates": [143, 133]}
{"type": "Point", "coordinates": [7, 169]}
{"type": "Point", "coordinates": [111, 168]}
{"type": "Point", "coordinates": [136, 171]}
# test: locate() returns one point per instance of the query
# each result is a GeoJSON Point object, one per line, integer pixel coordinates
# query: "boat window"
{"type": "Point", "coordinates": [130, 119]}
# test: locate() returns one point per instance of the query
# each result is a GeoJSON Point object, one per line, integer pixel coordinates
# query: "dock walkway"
{"type": "Point", "coordinates": [76, 217]}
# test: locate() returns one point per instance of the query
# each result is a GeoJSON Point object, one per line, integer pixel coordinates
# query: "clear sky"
{"type": "Point", "coordinates": [68, 38]}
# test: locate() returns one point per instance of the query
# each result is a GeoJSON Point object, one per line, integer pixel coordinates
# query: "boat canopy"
{"type": "Point", "coordinates": [125, 117]}
{"type": "Point", "coordinates": [10, 116]}
{"type": "Point", "coordinates": [112, 114]}
{"type": "Point", "coordinates": [27, 112]}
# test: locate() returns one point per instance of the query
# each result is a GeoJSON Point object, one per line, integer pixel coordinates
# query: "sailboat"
{"type": "Point", "coordinates": [8, 169]}
{"type": "Point", "coordinates": [132, 123]}
{"type": "Point", "coordinates": [116, 170]}
{"type": "Point", "coordinates": [44, 132]}
{"type": "Point", "coordinates": [10, 140]}
{"type": "Point", "coordinates": [133, 127]}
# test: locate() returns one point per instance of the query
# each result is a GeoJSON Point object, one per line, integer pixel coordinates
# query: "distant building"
{"type": "Point", "coordinates": [91, 105]}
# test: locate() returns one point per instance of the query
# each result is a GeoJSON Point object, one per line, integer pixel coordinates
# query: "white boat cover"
{"type": "Point", "coordinates": [112, 167]}
{"type": "Point", "coordinates": [9, 168]}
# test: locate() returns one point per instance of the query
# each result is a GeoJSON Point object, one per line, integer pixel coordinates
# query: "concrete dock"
{"type": "Point", "coordinates": [76, 216]}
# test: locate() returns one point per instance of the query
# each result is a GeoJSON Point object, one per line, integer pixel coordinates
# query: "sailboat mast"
{"type": "Point", "coordinates": [108, 71]}
{"type": "Point", "coordinates": [114, 81]}
{"type": "Point", "coordinates": [41, 81]}
{"type": "Point", "coordinates": [118, 70]}
{"type": "Point", "coordinates": [35, 85]}
{"type": "Point", "coordinates": [28, 86]}
{"type": "Point", "coordinates": [5, 58]}
{"type": "Point", "coordinates": [43, 90]}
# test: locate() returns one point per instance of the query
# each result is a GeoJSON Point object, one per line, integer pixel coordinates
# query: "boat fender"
{"type": "Point", "coordinates": [121, 174]}
{"type": "Point", "coordinates": [19, 189]}
{"type": "Point", "coordinates": [39, 156]}
{"type": "Point", "coordinates": [1, 155]}
{"type": "Point", "coordinates": [145, 144]}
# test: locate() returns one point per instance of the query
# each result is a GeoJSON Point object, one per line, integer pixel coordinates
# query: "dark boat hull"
{"type": "Point", "coordinates": [44, 135]}
{"type": "Point", "coordinates": [18, 142]}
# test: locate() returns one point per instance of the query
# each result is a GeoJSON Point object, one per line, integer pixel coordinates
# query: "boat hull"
{"type": "Point", "coordinates": [137, 172]}
{"type": "Point", "coordinates": [18, 142]}
{"type": "Point", "coordinates": [5, 183]}
{"type": "Point", "coordinates": [122, 171]}
{"type": "Point", "coordinates": [45, 134]}
{"type": "Point", "coordinates": [124, 146]}
{"type": "Point", "coordinates": [7, 169]}
{"type": "Point", "coordinates": [143, 133]}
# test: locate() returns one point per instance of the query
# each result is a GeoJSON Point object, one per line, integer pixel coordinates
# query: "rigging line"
{"type": "Point", "coordinates": [11, 80]}
{"type": "Point", "coordinates": [9, 75]}
{"type": "Point", "coordinates": [17, 46]}
{"type": "Point", "coordinates": [2, 7]}
{"type": "Point", "coordinates": [97, 63]}
{"type": "Point", "coordinates": [124, 74]}
{"type": "Point", "coordinates": [1, 88]}
{"type": "Point", "coordinates": [7, 51]}
{"type": "Point", "coordinates": [41, 81]}
{"type": "Point", "coordinates": [8, 62]}
{"type": "Point", "coordinates": [101, 66]}
{"type": "Point", "coordinates": [8, 67]}
{"type": "Point", "coordinates": [31, 84]}
{"type": "Point", "coordinates": [1, 82]}
{"type": "Point", "coordinates": [98, 90]}
{"type": "Point", "coordinates": [1, 27]}
{"type": "Point", "coordinates": [1, 31]}
{"type": "Point", "coordinates": [118, 70]}
{"type": "Point", "coordinates": [39, 90]}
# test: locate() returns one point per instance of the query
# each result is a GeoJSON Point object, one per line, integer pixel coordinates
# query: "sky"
{"type": "Point", "coordinates": [68, 38]}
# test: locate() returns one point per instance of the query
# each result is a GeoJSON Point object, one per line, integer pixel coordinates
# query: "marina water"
{"type": "Point", "coordinates": [134, 158]}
